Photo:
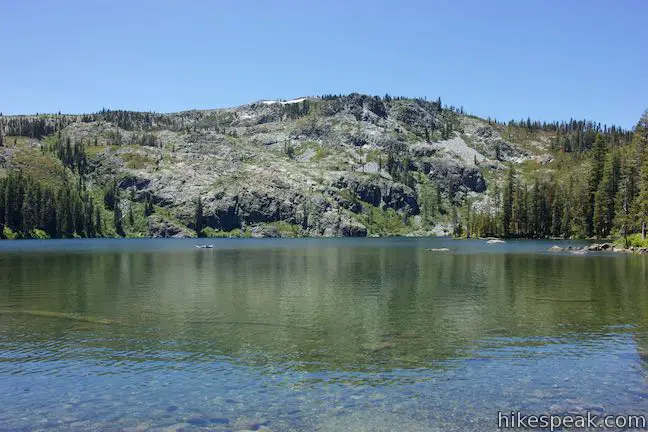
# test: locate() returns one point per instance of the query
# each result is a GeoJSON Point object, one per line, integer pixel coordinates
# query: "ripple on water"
{"type": "Point", "coordinates": [348, 336]}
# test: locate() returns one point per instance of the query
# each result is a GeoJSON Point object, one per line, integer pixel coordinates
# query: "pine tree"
{"type": "Point", "coordinates": [456, 222]}
{"type": "Point", "coordinates": [2, 204]}
{"type": "Point", "coordinates": [391, 165]}
{"type": "Point", "coordinates": [507, 203]}
{"type": "Point", "coordinates": [640, 138]}
{"type": "Point", "coordinates": [603, 216]}
{"type": "Point", "coordinates": [198, 220]}
{"type": "Point", "coordinates": [65, 213]}
{"type": "Point", "coordinates": [118, 223]}
{"type": "Point", "coordinates": [29, 210]}
{"type": "Point", "coordinates": [596, 173]}
{"type": "Point", "coordinates": [468, 216]}
{"type": "Point", "coordinates": [557, 210]}
{"type": "Point", "coordinates": [131, 216]}
{"type": "Point", "coordinates": [566, 217]}
{"type": "Point", "coordinates": [497, 197]}
{"type": "Point", "coordinates": [98, 222]}
{"type": "Point", "coordinates": [642, 200]}
{"type": "Point", "coordinates": [50, 220]}
{"type": "Point", "coordinates": [148, 206]}
{"type": "Point", "coordinates": [524, 210]}
{"type": "Point", "coordinates": [624, 204]}
{"type": "Point", "coordinates": [534, 210]}
{"type": "Point", "coordinates": [428, 201]}
{"type": "Point", "coordinates": [110, 195]}
{"type": "Point", "coordinates": [520, 210]}
{"type": "Point", "coordinates": [14, 201]}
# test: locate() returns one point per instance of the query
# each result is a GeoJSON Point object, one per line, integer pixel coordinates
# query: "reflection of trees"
{"type": "Point", "coordinates": [349, 307]}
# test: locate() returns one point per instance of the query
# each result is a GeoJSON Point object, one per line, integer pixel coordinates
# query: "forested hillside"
{"type": "Point", "coordinates": [336, 165]}
{"type": "Point", "coordinates": [596, 186]}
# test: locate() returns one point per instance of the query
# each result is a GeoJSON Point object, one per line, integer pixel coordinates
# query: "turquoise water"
{"type": "Point", "coordinates": [315, 334]}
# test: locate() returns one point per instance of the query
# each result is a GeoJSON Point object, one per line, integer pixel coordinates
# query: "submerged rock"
{"type": "Point", "coordinates": [61, 315]}
{"type": "Point", "coordinates": [252, 424]}
{"type": "Point", "coordinates": [178, 427]}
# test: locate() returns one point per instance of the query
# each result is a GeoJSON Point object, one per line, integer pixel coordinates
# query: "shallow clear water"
{"type": "Point", "coordinates": [330, 334]}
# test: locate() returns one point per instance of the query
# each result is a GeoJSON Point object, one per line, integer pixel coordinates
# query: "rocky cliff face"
{"type": "Point", "coordinates": [310, 166]}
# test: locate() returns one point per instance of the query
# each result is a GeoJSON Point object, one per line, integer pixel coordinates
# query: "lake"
{"type": "Point", "coordinates": [370, 334]}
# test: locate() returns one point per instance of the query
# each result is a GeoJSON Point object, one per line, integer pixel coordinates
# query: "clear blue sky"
{"type": "Point", "coordinates": [507, 59]}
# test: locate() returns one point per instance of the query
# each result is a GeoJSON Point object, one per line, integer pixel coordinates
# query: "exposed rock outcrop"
{"type": "Point", "coordinates": [159, 226]}
{"type": "Point", "coordinates": [380, 192]}
{"type": "Point", "coordinates": [320, 165]}
{"type": "Point", "coordinates": [265, 231]}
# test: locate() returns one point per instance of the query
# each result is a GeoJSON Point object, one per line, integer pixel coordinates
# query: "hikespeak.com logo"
{"type": "Point", "coordinates": [588, 420]}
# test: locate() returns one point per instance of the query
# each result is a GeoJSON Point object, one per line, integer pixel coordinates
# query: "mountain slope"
{"type": "Point", "coordinates": [332, 166]}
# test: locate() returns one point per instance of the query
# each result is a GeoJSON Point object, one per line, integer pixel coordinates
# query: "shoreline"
{"type": "Point", "coordinates": [577, 250]}
{"type": "Point", "coordinates": [600, 247]}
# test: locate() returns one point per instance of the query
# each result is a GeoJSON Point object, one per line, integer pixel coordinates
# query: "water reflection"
{"type": "Point", "coordinates": [487, 328]}
{"type": "Point", "coordinates": [355, 306]}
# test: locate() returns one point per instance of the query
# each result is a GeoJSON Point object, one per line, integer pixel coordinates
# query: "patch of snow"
{"type": "Point", "coordinates": [291, 101]}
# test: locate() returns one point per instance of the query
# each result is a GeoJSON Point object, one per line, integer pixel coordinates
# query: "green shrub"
{"type": "Point", "coordinates": [212, 233]}
{"type": "Point", "coordinates": [321, 153]}
{"type": "Point", "coordinates": [286, 229]}
{"type": "Point", "coordinates": [39, 234]}
{"type": "Point", "coordinates": [8, 234]}
{"type": "Point", "coordinates": [236, 232]}
{"type": "Point", "coordinates": [137, 160]}
{"type": "Point", "coordinates": [384, 221]}
{"type": "Point", "coordinates": [633, 240]}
